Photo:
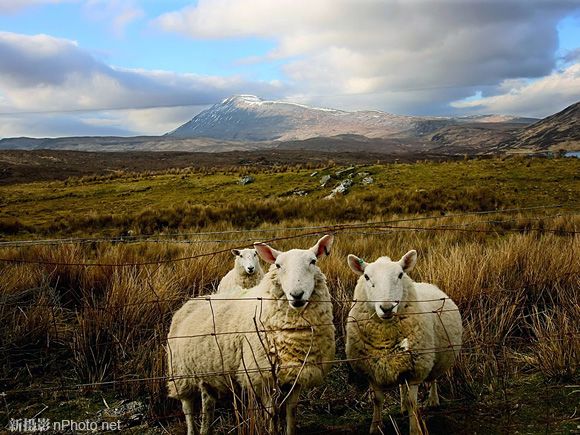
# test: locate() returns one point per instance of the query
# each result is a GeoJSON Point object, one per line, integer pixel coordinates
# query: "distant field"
{"type": "Point", "coordinates": [147, 202]}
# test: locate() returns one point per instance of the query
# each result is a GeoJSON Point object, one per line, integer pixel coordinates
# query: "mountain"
{"type": "Point", "coordinates": [558, 131]}
{"type": "Point", "coordinates": [248, 123]}
{"type": "Point", "coordinates": [249, 118]}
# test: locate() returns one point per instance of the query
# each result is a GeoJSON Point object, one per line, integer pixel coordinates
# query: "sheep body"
{"type": "Point", "coordinates": [301, 353]}
{"type": "Point", "coordinates": [239, 278]}
{"type": "Point", "coordinates": [385, 363]}
{"type": "Point", "coordinates": [400, 332]}
{"type": "Point", "coordinates": [291, 336]}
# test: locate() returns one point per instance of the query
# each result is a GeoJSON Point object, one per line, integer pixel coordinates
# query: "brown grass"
{"type": "Point", "coordinates": [517, 292]}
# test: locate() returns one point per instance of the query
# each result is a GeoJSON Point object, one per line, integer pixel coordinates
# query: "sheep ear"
{"type": "Point", "coordinates": [357, 265]}
{"type": "Point", "coordinates": [236, 252]}
{"type": "Point", "coordinates": [323, 245]}
{"type": "Point", "coordinates": [266, 253]}
{"type": "Point", "coordinates": [408, 261]}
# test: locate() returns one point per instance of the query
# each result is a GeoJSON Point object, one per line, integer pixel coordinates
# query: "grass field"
{"type": "Point", "coordinates": [196, 199]}
{"type": "Point", "coordinates": [514, 275]}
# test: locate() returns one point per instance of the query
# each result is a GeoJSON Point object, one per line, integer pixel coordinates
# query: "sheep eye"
{"type": "Point", "coordinates": [278, 266]}
{"type": "Point", "coordinates": [366, 277]}
{"type": "Point", "coordinates": [400, 275]}
{"type": "Point", "coordinates": [313, 262]}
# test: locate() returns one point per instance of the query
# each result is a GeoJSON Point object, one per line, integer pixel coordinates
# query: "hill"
{"type": "Point", "coordinates": [249, 118]}
{"type": "Point", "coordinates": [558, 131]}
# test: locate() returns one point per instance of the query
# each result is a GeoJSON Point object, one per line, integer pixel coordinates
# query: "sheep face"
{"type": "Point", "coordinates": [383, 281]}
{"type": "Point", "coordinates": [247, 260]}
{"type": "Point", "coordinates": [296, 269]}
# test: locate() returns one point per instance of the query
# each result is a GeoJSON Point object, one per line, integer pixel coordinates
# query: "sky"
{"type": "Point", "coordinates": [143, 67]}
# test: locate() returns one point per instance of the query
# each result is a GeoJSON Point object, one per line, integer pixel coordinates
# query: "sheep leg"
{"type": "Point", "coordinates": [291, 405]}
{"type": "Point", "coordinates": [414, 418]}
{"type": "Point", "coordinates": [378, 401]}
{"type": "Point", "coordinates": [404, 398]}
{"type": "Point", "coordinates": [207, 406]}
{"type": "Point", "coordinates": [188, 410]}
{"type": "Point", "coordinates": [433, 398]}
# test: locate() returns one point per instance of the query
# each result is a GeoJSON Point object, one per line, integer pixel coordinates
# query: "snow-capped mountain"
{"type": "Point", "coordinates": [249, 118]}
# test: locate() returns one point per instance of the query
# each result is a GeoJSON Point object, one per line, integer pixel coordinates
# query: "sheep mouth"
{"type": "Point", "coordinates": [387, 316]}
{"type": "Point", "coordinates": [298, 304]}
{"type": "Point", "coordinates": [250, 272]}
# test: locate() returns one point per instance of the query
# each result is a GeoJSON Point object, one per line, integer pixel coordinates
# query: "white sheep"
{"type": "Point", "coordinates": [247, 272]}
{"type": "Point", "coordinates": [400, 332]}
{"type": "Point", "coordinates": [214, 345]}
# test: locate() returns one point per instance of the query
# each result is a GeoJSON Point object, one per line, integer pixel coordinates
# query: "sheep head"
{"type": "Point", "coordinates": [297, 269]}
{"type": "Point", "coordinates": [383, 281]}
{"type": "Point", "coordinates": [247, 260]}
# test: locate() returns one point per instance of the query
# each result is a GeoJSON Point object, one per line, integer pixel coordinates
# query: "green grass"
{"type": "Point", "coordinates": [188, 199]}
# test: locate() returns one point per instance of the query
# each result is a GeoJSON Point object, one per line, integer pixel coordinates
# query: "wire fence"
{"type": "Point", "coordinates": [472, 346]}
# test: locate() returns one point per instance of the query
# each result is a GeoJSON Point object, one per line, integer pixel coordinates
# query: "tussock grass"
{"type": "Point", "coordinates": [517, 293]}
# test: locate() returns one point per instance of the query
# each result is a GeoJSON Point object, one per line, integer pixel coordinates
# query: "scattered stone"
{"type": "Point", "coordinates": [345, 171]}
{"type": "Point", "coordinates": [246, 180]}
{"type": "Point", "coordinates": [129, 413]}
{"type": "Point", "coordinates": [324, 180]}
{"type": "Point", "coordinates": [314, 174]}
{"type": "Point", "coordinates": [367, 180]}
{"type": "Point", "coordinates": [342, 188]}
{"type": "Point", "coordinates": [299, 192]}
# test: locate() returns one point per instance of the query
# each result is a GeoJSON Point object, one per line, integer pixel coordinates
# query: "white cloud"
{"type": "Point", "coordinates": [118, 13]}
{"type": "Point", "coordinates": [537, 99]}
{"type": "Point", "coordinates": [11, 6]}
{"type": "Point", "coordinates": [42, 73]}
{"type": "Point", "coordinates": [336, 47]}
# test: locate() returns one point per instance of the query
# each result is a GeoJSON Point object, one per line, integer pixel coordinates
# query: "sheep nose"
{"type": "Point", "coordinates": [250, 268]}
{"type": "Point", "coordinates": [297, 296]}
{"type": "Point", "coordinates": [387, 308]}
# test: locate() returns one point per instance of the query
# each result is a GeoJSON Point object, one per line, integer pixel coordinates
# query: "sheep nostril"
{"type": "Point", "coordinates": [387, 308]}
{"type": "Point", "coordinates": [297, 296]}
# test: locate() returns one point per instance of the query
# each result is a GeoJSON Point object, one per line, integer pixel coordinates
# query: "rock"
{"type": "Point", "coordinates": [129, 413]}
{"type": "Point", "coordinates": [345, 171]}
{"type": "Point", "coordinates": [314, 174]}
{"type": "Point", "coordinates": [246, 180]}
{"type": "Point", "coordinates": [367, 180]}
{"type": "Point", "coordinates": [324, 180]}
{"type": "Point", "coordinates": [299, 192]}
{"type": "Point", "coordinates": [342, 188]}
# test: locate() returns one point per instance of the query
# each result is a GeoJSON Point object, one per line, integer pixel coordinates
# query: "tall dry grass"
{"type": "Point", "coordinates": [517, 292]}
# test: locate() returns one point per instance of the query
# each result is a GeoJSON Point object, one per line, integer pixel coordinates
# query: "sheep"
{"type": "Point", "coordinates": [246, 273]}
{"type": "Point", "coordinates": [283, 337]}
{"type": "Point", "coordinates": [400, 332]}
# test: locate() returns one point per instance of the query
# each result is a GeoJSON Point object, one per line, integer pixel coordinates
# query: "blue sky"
{"type": "Point", "coordinates": [76, 58]}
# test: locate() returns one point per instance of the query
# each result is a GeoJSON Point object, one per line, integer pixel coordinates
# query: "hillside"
{"type": "Point", "coordinates": [558, 131]}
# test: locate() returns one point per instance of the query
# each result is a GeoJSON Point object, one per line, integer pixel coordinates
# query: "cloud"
{"type": "Point", "coordinates": [43, 73]}
{"type": "Point", "coordinates": [573, 56]}
{"type": "Point", "coordinates": [12, 6]}
{"type": "Point", "coordinates": [56, 125]}
{"type": "Point", "coordinates": [118, 13]}
{"type": "Point", "coordinates": [443, 49]}
{"type": "Point", "coordinates": [538, 98]}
